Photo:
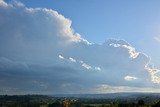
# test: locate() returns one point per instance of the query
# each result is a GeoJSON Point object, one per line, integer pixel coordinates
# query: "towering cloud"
{"type": "Point", "coordinates": [39, 49]}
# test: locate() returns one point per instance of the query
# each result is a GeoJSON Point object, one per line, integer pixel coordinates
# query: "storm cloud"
{"type": "Point", "coordinates": [41, 53]}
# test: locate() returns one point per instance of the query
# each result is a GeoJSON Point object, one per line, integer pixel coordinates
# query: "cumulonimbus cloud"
{"type": "Point", "coordinates": [41, 43]}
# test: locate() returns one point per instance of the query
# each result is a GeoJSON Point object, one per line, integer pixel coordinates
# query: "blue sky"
{"type": "Point", "coordinates": [41, 48]}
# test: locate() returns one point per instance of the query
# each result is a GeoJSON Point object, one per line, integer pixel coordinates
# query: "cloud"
{"type": "Point", "coordinates": [157, 39]}
{"type": "Point", "coordinates": [154, 73]}
{"type": "Point", "coordinates": [7, 65]}
{"type": "Point", "coordinates": [38, 44]}
{"type": "Point", "coordinates": [98, 68]}
{"type": "Point", "coordinates": [61, 57]}
{"type": "Point", "coordinates": [131, 50]}
{"type": "Point", "coordinates": [80, 63]}
{"type": "Point", "coordinates": [72, 59]}
{"type": "Point", "coordinates": [86, 66]}
{"type": "Point", "coordinates": [2, 3]}
{"type": "Point", "coordinates": [112, 89]}
{"type": "Point", "coordinates": [130, 78]}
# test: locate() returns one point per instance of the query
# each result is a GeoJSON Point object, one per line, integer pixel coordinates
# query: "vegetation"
{"type": "Point", "coordinates": [50, 101]}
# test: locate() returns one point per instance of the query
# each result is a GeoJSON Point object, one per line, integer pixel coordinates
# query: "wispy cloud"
{"type": "Point", "coordinates": [86, 66]}
{"type": "Point", "coordinates": [103, 88]}
{"type": "Point", "coordinates": [72, 59]}
{"type": "Point", "coordinates": [157, 39]}
{"type": "Point", "coordinates": [130, 78]}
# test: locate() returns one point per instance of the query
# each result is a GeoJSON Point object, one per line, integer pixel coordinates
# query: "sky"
{"type": "Point", "coordinates": [74, 47]}
{"type": "Point", "coordinates": [135, 21]}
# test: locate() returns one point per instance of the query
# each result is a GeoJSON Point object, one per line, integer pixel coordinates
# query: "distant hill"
{"type": "Point", "coordinates": [119, 97]}
{"type": "Point", "coordinates": [110, 95]}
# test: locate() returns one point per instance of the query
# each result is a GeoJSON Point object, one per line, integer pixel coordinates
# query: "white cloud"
{"type": "Point", "coordinates": [131, 50]}
{"type": "Point", "coordinates": [115, 45]}
{"type": "Point", "coordinates": [130, 78]}
{"type": "Point", "coordinates": [98, 68]}
{"type": "Point", "coordinates": [81, 63]}
{"type": "Point", "coordinates": [2, 3]}
{"type": "Point", "coordinates": [154, 73]}
{"type": "Point", "coordinates": [86, 66]}
{"type": "Point", "coordinates": [61, 57]}
{"type": "Point", "coordinates": [72, 59]}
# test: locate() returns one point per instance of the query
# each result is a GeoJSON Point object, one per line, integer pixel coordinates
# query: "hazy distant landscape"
{"type": "Point", "coordinates": [85, 100]}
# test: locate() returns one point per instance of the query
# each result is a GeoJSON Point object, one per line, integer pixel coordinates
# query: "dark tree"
{"type": "Point", "coordinates": [157, 104]}
{"type": "Point", "coordinates": [140, 102]}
